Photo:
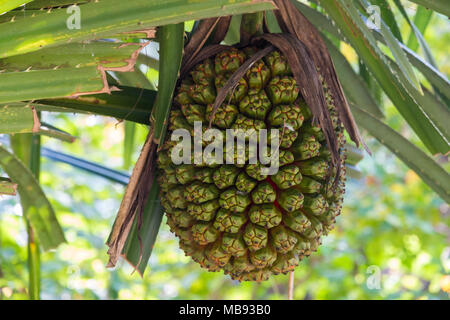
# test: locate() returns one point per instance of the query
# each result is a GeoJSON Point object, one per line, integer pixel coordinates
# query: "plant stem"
{"type": "Point", "coordinates": [34, 261]}
{"type": "Point", "coordinates": [291, 286]}
{"type": "Point", "coordinates": [34, 265]}
{"type": "Point", "coordinates": [27, 148]}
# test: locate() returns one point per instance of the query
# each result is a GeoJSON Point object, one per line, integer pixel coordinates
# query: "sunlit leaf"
{"type": "Point", "coordinates": [7, 5]}
{"type": "Point", "coordinates": [102, 19]}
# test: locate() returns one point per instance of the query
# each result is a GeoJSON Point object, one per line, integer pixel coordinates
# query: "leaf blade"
{"type": "Point", "coordinates": [128, 143]}
{"type": "Point", "coordinates": [431, 172]}
{"type": "Point", "coordinates": [145, 234]}
{"type": "Point", "coordinates": [440, 6]}
{"type": "Point", "coordinates": [36, 207]}
{"type": "Point", "coordinates": [88, 166]}
{"type": "Point", "coordinates": [102, 19]}
{"type": "Point", "coordinates": [8, 5]}
{"type": "Point", "coordinates": [388, 17]}
{"type": "Point", "coordinates": [431, 73]}
{"type": "Point", "coordinates": [400, 57]}
{"type": "Point", "coordinates": [394, 89]}
{"type": "Point", "coordinates": [171, 48]}
{"type": "Point", "coordinates": [129, 103]}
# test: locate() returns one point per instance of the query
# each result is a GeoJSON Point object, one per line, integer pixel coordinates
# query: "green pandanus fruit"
{"type": "Point", "coordinates": [234, 216]}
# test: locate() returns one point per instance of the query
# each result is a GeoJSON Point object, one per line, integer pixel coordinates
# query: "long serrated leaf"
{"type": "Point", "coordinates": [37, 208]}
{"type": "Point", "coordinates": [6, 5]}
{"type": "Point", "coordinates": [388, 17]}
{"type": "Point", "coordinates": [129, 103]}
{"type": "Point", "coordinates": [429, 170]}
{"type": "Point", "coordinates": [370, 82]}
{"type": "Point", "coordinates": [31, 11]}
{"type": "Point", "coordinates": [106, 54]}
{"type": "Point", "coordinates": [421, 21]}
{"type": "Point", "coordinates": [41, 84]}
{"type": "Point", "coordinates": [69, 70]}
{"type": "Point", "coordinates": [140, 240]}
{"type": "Point", "coordinates": [431, 73]}
{"type": "Point", "coordinates": [171, 49]}
{"type": "Point", "coordinates": [440, 6]}
{"type": "Point", "coordinates": [144, 173]}
{"type": "Point", "coordinates": [418, 34]}
{"type": "Point", "coordinates": [422, 17]}
{"type": "Point", "coordinates": [387, 79]}
{"type": "Point", "coordinates": [102, 19]}
{"type": "Point", "coordinates": [142, 237]}
{"type": "Point", "coordinates": [400, 57]}
{"type": "Point", "coordinates": [18, 14]}
{"type": "Point", "coordinates": [354, 87]}
{"type": "Point", "coordinates": [432, 107]}
{"type": "Point", "coordinates": [89, 166]}
{"type": "Point", "coordinates": [38, 4]}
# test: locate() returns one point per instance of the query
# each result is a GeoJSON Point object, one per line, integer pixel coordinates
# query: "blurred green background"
{"type": "Point", "coordinates": [391, 241]}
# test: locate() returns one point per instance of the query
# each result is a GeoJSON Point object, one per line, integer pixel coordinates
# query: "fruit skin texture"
{"type": "Point", "coordinates": [232, 217]}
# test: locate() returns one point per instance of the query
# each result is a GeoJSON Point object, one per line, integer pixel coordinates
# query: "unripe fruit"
{"type": "Point", "coordinates": [240, 217]}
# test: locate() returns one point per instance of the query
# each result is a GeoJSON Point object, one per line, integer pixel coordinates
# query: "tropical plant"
{"type": "Point", "coordinates": [88, 58]}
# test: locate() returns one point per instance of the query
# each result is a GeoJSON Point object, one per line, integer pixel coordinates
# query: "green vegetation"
{"type": "Point", "coordinates": [72, 92]}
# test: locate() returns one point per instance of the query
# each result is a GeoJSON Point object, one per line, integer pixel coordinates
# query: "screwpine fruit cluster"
{"type": "Point", "coordinates": [232, 217]}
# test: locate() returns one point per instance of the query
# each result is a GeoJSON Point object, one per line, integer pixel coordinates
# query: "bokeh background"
{"type": "Point", "coordinates": [391, 241]}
